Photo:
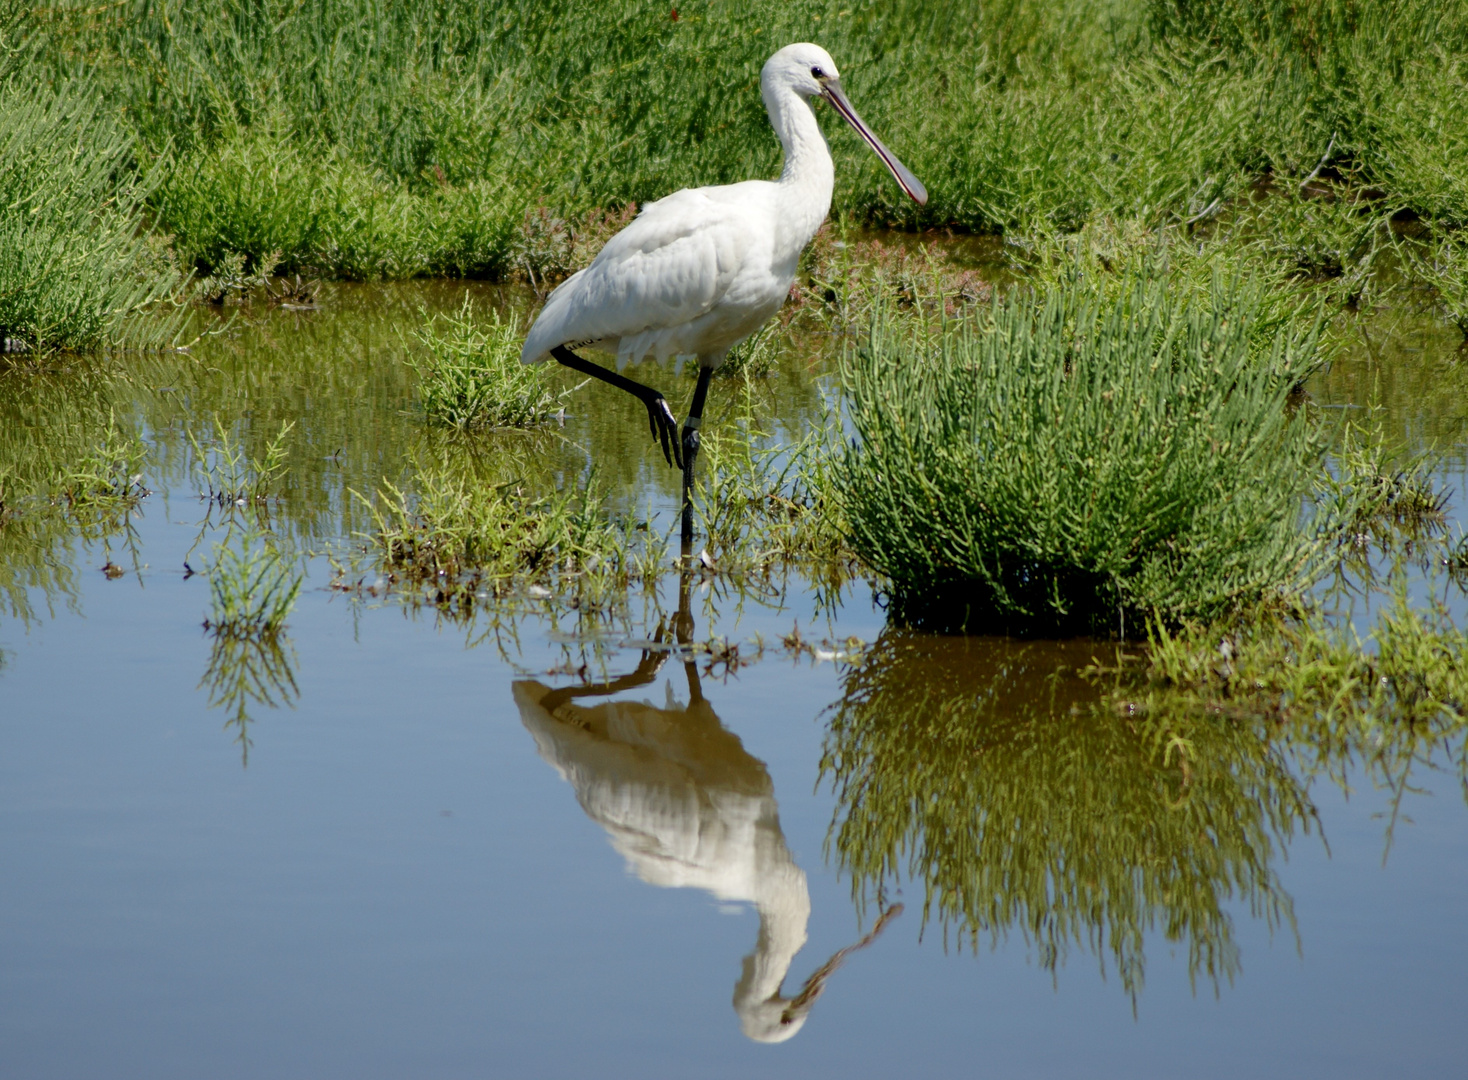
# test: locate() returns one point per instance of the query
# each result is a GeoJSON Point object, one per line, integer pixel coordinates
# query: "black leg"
{"type": "Point", "coordinates": [690, 446]}
{"type": "Point", "coordinates": [659, 416]}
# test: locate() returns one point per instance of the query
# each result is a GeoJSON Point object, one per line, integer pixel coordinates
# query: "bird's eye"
{"type": "Point", "coordinates": [817, 73]}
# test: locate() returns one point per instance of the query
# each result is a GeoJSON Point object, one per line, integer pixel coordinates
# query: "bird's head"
{"type": "Point", "coordinates": [803, 67]}
{"type": "Point", "coordinates": [808, 71]}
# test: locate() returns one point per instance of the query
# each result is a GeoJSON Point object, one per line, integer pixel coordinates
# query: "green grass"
{"type": "Point", "coordinates": [76, 257]}
{"type": "Point", "coordinates": [492, 521]}
{"type": "Point", "coordinates": [470, 376]}
{"type": "Point", "coordinates": [251, 589]}
{"type": "Point", "coordinates": [370, 140]}
{"type": "Point", "coordinates": [1081, 458]}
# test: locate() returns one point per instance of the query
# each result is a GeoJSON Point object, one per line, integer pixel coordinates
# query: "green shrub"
{"type": "Point", "coordinates": [471, 376]}
{"type": "Point", "coordinates": [76, 259]}
{"type": "Point", "coordinates": [284, 204]}
{"type": "Point", "coordinates": [1076, 459]}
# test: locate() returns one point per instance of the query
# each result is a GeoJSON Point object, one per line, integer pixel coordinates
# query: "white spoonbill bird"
{"type": "Point", "coordinates": [699, 271]}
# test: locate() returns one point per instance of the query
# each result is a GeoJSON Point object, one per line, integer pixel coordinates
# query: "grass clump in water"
{"type": "Point", "coordinates": [504, 525]}
{"type": "Point", "coordinates": [470, 376]}
{"type": "Point", "coordinates": [252, 590]}
{"type": "Point", "coordinates": [1078, 459]}
{"type": "Point", "coordinates": [251, 661]}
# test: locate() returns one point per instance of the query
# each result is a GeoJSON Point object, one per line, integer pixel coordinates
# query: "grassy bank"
{"type": "Point", "coordinates": [486, 139]}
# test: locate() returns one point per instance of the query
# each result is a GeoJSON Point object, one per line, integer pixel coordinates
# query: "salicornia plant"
{"type": "Point", "coordinates": [1079, 458]}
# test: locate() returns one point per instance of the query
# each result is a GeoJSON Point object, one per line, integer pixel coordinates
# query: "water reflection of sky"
{"type": "Point", "coordinates": [399, 884]}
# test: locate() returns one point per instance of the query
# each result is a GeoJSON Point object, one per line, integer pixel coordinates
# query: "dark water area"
{"type": "Point", "coordinates": [400, 843]}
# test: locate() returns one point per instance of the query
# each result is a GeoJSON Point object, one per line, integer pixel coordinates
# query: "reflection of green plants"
{"type": "Point", "coordinates": [1442, 265]}
{"type": "Point", "coordinates": [1049, 813]}
{"type": "Point", "coordinates": [1082, 458]}
{"type": "Point", "coordinates": [471, 376]}
{"type": "Point", "coordinates": [245, 671]}
{"type": "Point", "coordinates": [108, 479]}
{"type": "Point", "coordinates": [252, 590]}
{"type": "Point", "coordinates": [1393, 702]}
{"type": "Point", "coordinates": [70, 472]}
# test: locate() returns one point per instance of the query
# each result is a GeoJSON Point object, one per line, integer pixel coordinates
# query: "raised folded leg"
{"type": "Point", "coordinates": [659, 416]}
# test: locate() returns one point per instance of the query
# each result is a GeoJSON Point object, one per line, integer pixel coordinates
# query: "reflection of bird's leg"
{"type": "Point", "coordinates": [647, 671]}
{"type": "Point", "coordinates": [690, 444]}
{"type": "Point", "coordinates": [683, 620]}
{"type": "Point", "coordinates": [659, 416]}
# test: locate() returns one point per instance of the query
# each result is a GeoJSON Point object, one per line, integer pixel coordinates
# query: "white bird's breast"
{"type": "Point", "coordinates": [694, 274]}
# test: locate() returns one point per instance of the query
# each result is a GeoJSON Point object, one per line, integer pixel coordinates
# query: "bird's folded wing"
{"type": "Point", "coordinates": [669, 266]}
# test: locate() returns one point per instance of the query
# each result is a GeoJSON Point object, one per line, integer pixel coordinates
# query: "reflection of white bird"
{"type": "Point", "coordinates": [700, 270]}
{"type": "Point", "coordinates": [687, 806]}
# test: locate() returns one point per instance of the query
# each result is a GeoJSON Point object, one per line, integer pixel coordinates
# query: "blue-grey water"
{"type": "Point", "coordinates": [420, 872]}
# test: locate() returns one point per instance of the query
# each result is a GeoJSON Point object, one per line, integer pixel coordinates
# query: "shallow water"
{"type": "Point", "coordinates": [407, 845]}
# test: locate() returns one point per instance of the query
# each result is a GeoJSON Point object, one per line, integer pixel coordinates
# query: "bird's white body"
{"type": "Point", "coordinates": [697, 272]}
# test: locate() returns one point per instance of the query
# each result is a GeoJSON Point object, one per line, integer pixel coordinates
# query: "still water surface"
{"type": "Point", "coordinates": [430, 848]}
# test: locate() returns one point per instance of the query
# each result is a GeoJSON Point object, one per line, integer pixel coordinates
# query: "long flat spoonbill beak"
{"type": "Point", "coordinates": [831, 91]}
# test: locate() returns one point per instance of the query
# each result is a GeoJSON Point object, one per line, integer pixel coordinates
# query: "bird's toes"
{"type": "Point", "coordinates": [665, 427]}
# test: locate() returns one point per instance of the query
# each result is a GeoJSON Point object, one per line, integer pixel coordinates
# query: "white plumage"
{"type": "Point", "coordinates": [700, 270]}
{"type": "Point", "coordinates": [697, 272]}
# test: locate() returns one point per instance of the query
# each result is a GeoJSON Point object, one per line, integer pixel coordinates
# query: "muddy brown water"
{"type": "Point", "coordinates": [398, 844]}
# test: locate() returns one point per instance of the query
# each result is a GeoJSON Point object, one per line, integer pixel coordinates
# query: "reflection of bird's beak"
{"type": "Point", "coordinates": [831, 91]}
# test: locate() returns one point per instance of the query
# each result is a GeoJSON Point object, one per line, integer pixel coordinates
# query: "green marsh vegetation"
{"type": "Point", "coordinates": [1070, 459]}
{"type": "Point", "coordinates": [470, 376]}
{"type": "Point", "coordinates": [1148, 163]}
{"type": "Point", "coordinates": [504, 140]}
{"type": "Point", "coordinates": [252, 589]}
{"type": "Point", "coordinates": [77, 257]}
{"type": "Point", "coordinates": [493, 522]}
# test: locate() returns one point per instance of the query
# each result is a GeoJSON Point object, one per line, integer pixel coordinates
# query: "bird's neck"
{"type": "Point", "coordinates": [808, 178]}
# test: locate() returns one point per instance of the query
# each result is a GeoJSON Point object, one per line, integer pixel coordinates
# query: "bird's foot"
{"type": "Point", "coordinates": [664, 428]}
